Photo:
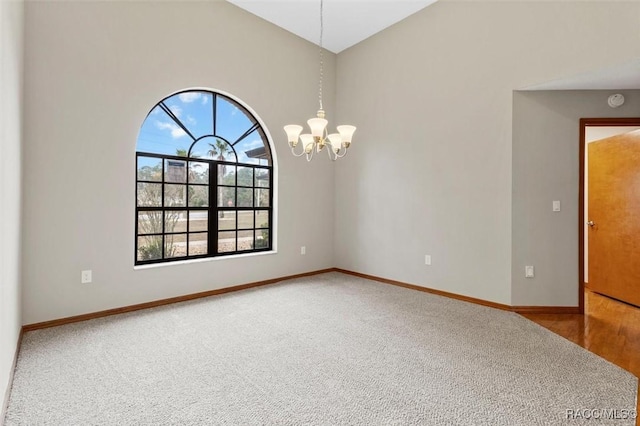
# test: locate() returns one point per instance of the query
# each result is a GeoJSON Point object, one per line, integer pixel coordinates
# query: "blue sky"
{"type": "Point", "coordinates": [161, 135]}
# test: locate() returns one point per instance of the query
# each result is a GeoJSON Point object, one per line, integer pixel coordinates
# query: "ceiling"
{"type": "Point", "coordinates": [346, 22]}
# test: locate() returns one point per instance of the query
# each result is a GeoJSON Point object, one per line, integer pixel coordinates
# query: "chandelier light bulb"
{"type": "Point", "coordinates": [293, 132]}
{"type": "Point", "coordinates": [317, 126]}
{"type": "Point", "coordinates": [346, 132]}
{"type": "Point", "coordinates": [336, 141]}
{"type": "Point", "coordinates": [307, 142]}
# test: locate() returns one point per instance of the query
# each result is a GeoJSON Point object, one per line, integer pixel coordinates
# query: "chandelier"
{"type": "Point", "coordinates": [337, 143]}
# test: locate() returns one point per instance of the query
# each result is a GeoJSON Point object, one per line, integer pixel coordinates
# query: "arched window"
{"type": "Point", "coordinates": [204, 181]}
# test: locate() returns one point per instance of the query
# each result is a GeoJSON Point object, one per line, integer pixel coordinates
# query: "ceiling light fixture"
{"type": "Point", "coordinates": [316, 140]}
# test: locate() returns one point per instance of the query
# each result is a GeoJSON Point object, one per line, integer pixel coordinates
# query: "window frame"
{"type": "Point", "coordinates": [214, 208]}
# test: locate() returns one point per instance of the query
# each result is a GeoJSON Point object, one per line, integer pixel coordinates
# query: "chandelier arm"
{"type": "Point", "coordinates": [310, 154]}
{"type": "Point", "coordinates": [293, 151]}
{"type": "Point", "coordinates": [333, 156]}
{"type": "Point", "coordinates": [344, 153]}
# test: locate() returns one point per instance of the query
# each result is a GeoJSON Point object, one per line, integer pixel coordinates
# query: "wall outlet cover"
{"type": "Point", "coordinates": [85, 277]}
{"type": "Point", "coordinates": [528, 272]}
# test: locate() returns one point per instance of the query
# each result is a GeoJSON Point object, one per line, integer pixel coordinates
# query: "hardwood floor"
{"type": "Point", "coordinates": [609, 328]}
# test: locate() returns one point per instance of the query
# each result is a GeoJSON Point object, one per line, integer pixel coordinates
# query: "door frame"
{"type": "Point", "coordinates": [584, 123]}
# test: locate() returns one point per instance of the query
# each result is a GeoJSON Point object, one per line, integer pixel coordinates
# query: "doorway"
{"type": "Point", "coordinates": [604, 243]}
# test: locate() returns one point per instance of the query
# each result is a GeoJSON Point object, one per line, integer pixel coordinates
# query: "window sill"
{"type": "Point", "coordinates": [205, 259]}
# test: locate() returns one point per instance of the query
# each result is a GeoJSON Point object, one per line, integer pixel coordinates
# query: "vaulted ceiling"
{"type": "Point", "coordinates": [348, 22]}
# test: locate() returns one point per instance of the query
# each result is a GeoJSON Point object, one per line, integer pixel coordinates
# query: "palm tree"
{"type": "Point", "coordinates": [218, 151]}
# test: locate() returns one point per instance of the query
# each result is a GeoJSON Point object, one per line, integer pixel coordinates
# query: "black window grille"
{"type": "Point", "coordinates": [204, 180]}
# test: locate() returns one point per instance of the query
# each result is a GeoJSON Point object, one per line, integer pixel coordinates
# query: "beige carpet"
{"type": "Point", "coordinates": [326, 350]}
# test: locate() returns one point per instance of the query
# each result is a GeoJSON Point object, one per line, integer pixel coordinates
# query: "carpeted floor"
{"type": "Point", "coordinates": [329, 349]}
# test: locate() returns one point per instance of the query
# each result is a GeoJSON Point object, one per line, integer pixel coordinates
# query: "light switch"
{"type": "Point", "coordinates": [556, 206]}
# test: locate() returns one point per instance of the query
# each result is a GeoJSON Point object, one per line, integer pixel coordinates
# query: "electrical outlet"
{"type": "Point", "coordinates": [528, 272]}
{"type": "Point", "coordinates": [427, 259]}
{"type": "Point", "coordinates": [303, 250]}
{"type": "Point", "coordinates": [86, 277]}
{"type": "Point", "coordinates": [556, 206]}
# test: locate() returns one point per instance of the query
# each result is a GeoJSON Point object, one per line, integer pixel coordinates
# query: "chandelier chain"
{"type": "Point", "coordinates": [321, 53]}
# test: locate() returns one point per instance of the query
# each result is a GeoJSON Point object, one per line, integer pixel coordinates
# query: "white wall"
{"type": "Point", "coordinates": [430, 170]}
{"type": "Point", "coordinates": [93, 71]}
{"type": "Point", "coordinates": [11, 66]}
{"type": "Point", "coordinates": [546, 159]}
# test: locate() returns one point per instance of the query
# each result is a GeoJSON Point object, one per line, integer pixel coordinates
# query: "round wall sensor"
{"type": "Point", "coordinates": [615, 100]}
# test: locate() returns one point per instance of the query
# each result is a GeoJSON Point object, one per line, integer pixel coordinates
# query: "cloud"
{"type": "Point", "coordinates": [256, 143]}
{"type": "Point", "coordinates": [234, 111]}
{"type": "Point", "coordinates": [176, 132]}
{"type": "Point", "coordinates": [191, 120]}
{"type": "Point", "coordinates": [205, 100]}
{"type": "Point", "coordinates": [189, 97]}
{"type": "Point", "coordinates": [176, 110]}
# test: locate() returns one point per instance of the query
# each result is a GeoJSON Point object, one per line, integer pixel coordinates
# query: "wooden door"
{"type": "Point", "coordinates": [614, 217]}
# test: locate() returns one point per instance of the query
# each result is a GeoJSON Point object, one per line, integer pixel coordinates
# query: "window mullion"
{"type": "Point", "coordinates": [214, 108]}
{"type": "Point", "coordinates": [213, 208]}
{"type": "Point", "coordinates": [188, 218]}
{"type": "Point", "coordinates": [270, 211]}
{"type": "Point", "coordinates": [162, 211]}
{"type": "Point", "coordinates": [135, 252]}
{"type": "Point", "coordinates": [236, 207]}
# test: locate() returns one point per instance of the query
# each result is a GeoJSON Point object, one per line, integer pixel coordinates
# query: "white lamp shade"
{"type": "Point", "coordinates": [306, 139]}
{"type": "Point", "coordinates": [336, 140]}
{"type": "Point", "coordinates": [317, 126]}
{"type": "Point", "coordinates": [346, 132]}
{"type": "Point", "coordinates": [293, 132]}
